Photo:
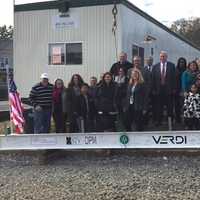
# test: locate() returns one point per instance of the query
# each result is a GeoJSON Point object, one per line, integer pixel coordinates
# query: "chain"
{"type": "Point", "coordinates": [114, 27]}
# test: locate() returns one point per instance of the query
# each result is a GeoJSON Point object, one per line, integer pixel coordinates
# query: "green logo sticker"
{"type": "Point", "coordinates": [124, 139]}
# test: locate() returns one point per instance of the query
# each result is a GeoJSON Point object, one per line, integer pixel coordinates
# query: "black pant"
{"type": "Point", "coordinates": [153, 106]}
{"type": "Point", "coordinates": [178, 104]}
{"type": "Point", "coordinates": [59, 121]}
{"type": "Point", "coordinates": [105, 122]}
{"type": "Point", "coordinates": [192, 123]}
{"type": "Point", "coordinates": [73, 123]}
{"type": "Point", "coordinates": [151, 110]}
{"type": "Point", "coordinates": [136, 116]}
{"type": "Point", "coordinates": [164, 99]}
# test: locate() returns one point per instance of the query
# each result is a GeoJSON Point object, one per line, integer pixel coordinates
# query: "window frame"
{"type": "Point", "coordinates": [65, 47]}
{"type": "Point", "coordinates": [139, 50]}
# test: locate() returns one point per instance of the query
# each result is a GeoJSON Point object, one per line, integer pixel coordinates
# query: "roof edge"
{"type": "Point", "coordinates": [156, 22]}
{"type": "Point", "coordinates": [54, 4]}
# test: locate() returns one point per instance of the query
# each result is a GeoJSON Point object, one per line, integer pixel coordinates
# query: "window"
{"type": "Point", "coordinates": [152, 51]}
{"type": "Point", "coordinates": [74, 54]}
{"type": "Point", "coordinates": [6, 61]}
{"type": "Point", "coordinates": [2, 62]}
{"type": "Point", "coordinates": [134, 51]}
{"type": "Point", "coordinates": [2, 77]}
{"type": "Point", "coordinates": [65, 54]}
{"type": "Point", "coordinates": [141, 54]}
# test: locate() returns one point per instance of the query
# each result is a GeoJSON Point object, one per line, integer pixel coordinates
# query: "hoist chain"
{"type": "Point", "coordinates": [114, 12]}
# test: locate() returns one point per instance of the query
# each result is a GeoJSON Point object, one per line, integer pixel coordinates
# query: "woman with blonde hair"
{"type": "Point", "coordinates": [135, 101]}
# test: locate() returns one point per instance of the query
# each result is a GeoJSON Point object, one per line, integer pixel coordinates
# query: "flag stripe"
{"type": "Point", "coordinates": [16, 108]}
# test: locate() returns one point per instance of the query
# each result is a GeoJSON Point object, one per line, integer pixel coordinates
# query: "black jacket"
{"type": "Point", "coordinates": [106, 98]}
{"type": "Point", "coordinates": [138, 96]}
{"type": "Point", "coordinates": [92, 91]}
{"type": "Point", "coordinates": [179, 74]}
{"type": "Point", "coordinates": [147, 76]}
{"type": "Point", "coordinates": [116, 66]}
{"type": "Point", "coordinates": [121, 92]}
{"type": "Point", "coordinates": [70, 101]}
{"type": "Point", "coordinates": [170, 79]}
{"type": "Point", "coordinates": [82, 107]}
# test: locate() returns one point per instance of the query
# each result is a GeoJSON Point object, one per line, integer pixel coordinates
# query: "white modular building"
{"type": "Point", "coordinates": [64, 38]}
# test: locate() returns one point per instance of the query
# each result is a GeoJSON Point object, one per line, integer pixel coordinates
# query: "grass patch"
{"type": "Point", "coordinates": [3, 126]}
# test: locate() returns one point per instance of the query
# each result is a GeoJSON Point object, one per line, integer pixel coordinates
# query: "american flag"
{"type": "Point", "coordinates": [16, 108]}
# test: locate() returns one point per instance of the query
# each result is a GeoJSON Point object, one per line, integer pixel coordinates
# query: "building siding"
{"type": "Point", "coordinates": [135, 28]}
{"type": "Point", "coordinates": [33, 32]}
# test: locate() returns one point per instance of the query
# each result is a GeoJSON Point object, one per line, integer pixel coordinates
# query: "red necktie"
{"type": "Point", "coordinates": [163, 75]}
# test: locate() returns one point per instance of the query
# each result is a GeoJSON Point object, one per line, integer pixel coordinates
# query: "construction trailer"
{"type": "Point", "coordinates": [67, 37]}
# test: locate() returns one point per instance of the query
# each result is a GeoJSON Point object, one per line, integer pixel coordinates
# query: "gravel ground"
{"type": "Point", "coordinates": [116, 177]}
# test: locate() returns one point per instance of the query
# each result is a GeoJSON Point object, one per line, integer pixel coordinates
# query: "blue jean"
{"type": "Point", "coordinates": [42, 121]}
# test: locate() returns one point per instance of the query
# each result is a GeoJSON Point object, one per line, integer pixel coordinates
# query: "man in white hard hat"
{"type": "Point", "coordinates": [41, 100]}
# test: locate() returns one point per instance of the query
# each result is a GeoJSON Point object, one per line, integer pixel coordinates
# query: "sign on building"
{"type": "Point", "coordinates": [66, 21]}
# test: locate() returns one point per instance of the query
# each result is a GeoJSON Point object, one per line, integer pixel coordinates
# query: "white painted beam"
{"type": "Point", "coordinates": [132, 140]}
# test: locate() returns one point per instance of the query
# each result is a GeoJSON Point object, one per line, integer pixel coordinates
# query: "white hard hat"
{"type": "Point", "coordinates": [44, 75]}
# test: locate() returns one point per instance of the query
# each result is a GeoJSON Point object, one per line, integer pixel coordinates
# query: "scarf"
{"type": "Point", "coordinates": [56, 95]}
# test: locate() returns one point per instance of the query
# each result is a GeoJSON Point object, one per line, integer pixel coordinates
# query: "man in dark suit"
{"type": "Point", "coordinates": [151, 104]}
{"type": "Point", "coordinates": [122, 63]}
{"type": "Point", "coordinates": [163, 86]}
{"type": "Point", "coordinates": [149, 63]}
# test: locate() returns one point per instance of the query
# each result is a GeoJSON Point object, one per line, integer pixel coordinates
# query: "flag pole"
{"type": "Point", "coordinates": [8, 88]}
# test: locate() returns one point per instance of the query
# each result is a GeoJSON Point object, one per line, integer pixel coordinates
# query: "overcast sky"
{"type": "Point", "coordinates": [164, 11]}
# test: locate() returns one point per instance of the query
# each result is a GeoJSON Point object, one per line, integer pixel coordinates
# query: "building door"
{"type": "Point", "coordinates": [138, 51]}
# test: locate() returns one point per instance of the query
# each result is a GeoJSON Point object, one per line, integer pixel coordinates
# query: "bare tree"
{"type": "Point", "coordinates": [189, 28]}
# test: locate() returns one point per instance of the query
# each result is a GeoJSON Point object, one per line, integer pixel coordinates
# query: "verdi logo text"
{"type": "Point", "coordinates": [165, 139]}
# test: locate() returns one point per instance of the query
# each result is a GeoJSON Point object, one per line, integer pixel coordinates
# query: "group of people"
{"type": "Point", "coordinates": [128, 93]}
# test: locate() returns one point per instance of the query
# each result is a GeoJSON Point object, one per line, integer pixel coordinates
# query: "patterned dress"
{"type": "Point", "coordinates": [191, 107]}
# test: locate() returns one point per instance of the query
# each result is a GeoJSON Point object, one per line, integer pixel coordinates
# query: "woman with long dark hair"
{"type": "Point", "coordinates": [72, 94]}
{"type": "Point", "coordinates": [106, 104]}
{"type": "Point", "coordinates": [178, 97]}
{"type": "Point", "coordinates": [58, 114]}
{"type": "Point", "coordinates": [189, 77]}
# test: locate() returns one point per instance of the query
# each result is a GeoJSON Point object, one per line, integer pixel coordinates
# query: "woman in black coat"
{"type": "Point", "coordinates": [135, 102]}
{"type": "Point", "coordinates": [71, 99]}
{"type": "Point", "coordinates": [178, 100]}
{"type": "Point", "coordinates": [106, 104]}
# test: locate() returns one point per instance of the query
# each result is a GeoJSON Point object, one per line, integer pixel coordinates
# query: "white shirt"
{"type": "Point", "coordinates": [132, 97]}
{"type": "Point", "coordinates": [119, 79]}
{"type": "Point", "coordinates": [150, 68]}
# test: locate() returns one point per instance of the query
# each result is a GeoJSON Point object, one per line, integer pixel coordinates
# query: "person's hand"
{"type": "Point", "coordinates": [185, 94]}
{"type": "Point", "coordinates": [113, 113]}
{"type": "Point", "coordinates": [38, 108]}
